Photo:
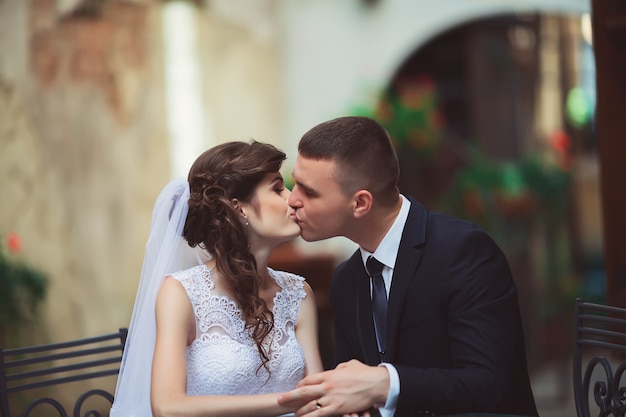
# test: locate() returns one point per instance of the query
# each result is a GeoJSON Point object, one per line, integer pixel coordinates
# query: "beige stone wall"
{"type": "Point", "coordinates": [83, 153]}
{"type": "Point", "coordinates": [243, 80]}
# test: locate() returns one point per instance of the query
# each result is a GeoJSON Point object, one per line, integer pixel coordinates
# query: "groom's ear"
{"type": "Point", "coordinates": [361, 203]}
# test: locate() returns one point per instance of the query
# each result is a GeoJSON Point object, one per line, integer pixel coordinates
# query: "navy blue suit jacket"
{"type": "Point", "coordinates": [454, 331]}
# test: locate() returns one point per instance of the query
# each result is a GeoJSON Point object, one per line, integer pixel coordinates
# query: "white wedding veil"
{"type": "Point", "coordinates": [166, 252]}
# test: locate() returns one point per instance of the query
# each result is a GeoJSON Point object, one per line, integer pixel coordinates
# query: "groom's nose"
{"type": "Point", "coordinates": [294, 199]}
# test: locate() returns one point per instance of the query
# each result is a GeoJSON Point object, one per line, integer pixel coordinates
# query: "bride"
{"type": "Point", "coordinates": [214, 330]}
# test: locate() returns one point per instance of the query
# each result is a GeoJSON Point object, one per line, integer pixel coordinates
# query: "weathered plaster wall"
{"type": "Point", "coordinates": [84, 147]}
{"type": "Point", "coordinates": [242, 71]}
{"type": "Point", "coordinates": [83, 153]}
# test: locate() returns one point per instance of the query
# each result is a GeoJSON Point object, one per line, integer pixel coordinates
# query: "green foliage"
{"type": "Point", "coordinates": [22, 289]}
{"type": "Point", "coordinates": [409, 111]}
{"type": "Point", "coordinates": [489, 192]}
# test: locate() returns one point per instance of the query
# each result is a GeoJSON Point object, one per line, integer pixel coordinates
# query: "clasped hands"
{"type": "Point", "coordinates": [352, 389]}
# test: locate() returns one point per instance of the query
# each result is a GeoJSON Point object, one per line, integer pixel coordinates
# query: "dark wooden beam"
{"type": "Point", "coordinates": [609, 34]}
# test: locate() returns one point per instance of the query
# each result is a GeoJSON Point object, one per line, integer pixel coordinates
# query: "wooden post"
{"type": "Point", "coordinates": [609, 39]}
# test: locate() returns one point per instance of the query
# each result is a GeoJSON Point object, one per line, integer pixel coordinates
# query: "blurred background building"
{"type": "Point", "coordinates": [491, 105]}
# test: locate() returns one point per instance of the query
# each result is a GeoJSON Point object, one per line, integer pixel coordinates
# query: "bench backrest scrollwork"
{"type": "Point", "coordinates": [599, 364]}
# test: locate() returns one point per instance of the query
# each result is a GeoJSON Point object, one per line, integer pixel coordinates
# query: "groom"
{"type": "Point", "coordinates": [449, 337]}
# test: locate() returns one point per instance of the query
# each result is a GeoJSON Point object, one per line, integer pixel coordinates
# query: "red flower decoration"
{"type": "Point", "coordinates": [14, 243]}
{"type": "Point", "coordinates": [561, 141]}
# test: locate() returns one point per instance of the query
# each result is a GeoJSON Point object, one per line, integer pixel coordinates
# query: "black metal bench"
{"type": "Point", "coordinates": [34, 367]}
{"type": "Point", "coordinates": [599, 360]}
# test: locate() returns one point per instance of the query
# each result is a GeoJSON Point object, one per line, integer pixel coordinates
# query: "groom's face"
{"type": "Point", "coordinates": [322, 210]}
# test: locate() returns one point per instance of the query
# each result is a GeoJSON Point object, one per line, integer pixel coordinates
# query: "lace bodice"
{"type": "Point", "coordinates": [223, 359]}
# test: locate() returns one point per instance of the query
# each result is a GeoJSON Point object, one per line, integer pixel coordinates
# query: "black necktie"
{"type": "Point", "coordinates": [379, 302]}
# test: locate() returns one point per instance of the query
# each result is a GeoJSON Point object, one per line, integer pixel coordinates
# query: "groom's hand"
{"type": "Point", "coordinates": [349, 387]}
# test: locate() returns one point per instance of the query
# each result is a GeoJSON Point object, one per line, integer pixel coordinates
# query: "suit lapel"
{"type": "Point", "coordinates": [409, 256]}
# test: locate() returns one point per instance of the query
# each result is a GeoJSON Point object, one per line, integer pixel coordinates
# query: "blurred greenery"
{"type": "Point", "coordinates": [22, 289]}
{"type": "Point", "coordinates": [488, 192]}
{"type": "Point", "coordinates": [409, 111]}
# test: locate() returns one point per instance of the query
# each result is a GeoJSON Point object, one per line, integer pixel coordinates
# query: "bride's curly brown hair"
{"type": "Point", "coordinates": [225, 172]}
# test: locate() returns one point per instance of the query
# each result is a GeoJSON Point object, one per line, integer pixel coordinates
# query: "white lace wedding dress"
{"type": "Point", "coordinates": [223, 359]}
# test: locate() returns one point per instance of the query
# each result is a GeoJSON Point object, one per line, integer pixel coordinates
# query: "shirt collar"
{"type": "Point", "coordinates": [387, 250]}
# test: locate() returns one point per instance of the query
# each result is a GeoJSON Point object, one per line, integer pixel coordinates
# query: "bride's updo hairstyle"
{"type": "Point", "coordinates": [225, 172]}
